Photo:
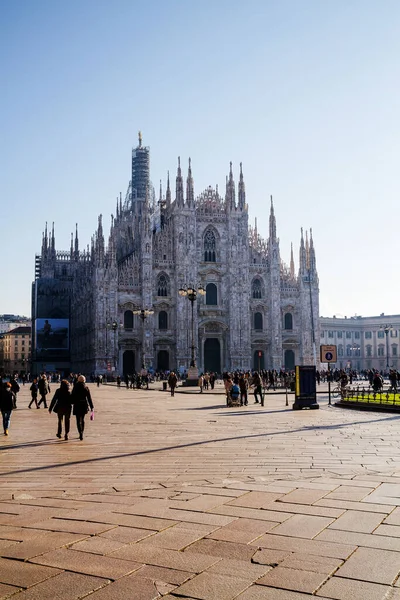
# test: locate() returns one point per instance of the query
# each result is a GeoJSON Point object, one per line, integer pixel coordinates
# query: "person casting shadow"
{"type": "Point", "coordinates": [82, 401]}
{"type": "Point", "coordinates": [61, 404]}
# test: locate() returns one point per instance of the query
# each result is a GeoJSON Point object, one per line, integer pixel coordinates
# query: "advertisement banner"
{"type": "Point", "coordinates": [52, 334]}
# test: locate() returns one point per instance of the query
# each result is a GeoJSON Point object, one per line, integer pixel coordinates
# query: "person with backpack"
{"type": "Point", "coordinates": [34, 393]}
{"type": "Point", "coordinates": [61, 405]}
{"type": "Point", "coordinates": [44, 389]}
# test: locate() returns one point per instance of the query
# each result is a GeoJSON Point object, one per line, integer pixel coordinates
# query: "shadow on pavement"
{"type": "Point", "coordinates": [189, 445]}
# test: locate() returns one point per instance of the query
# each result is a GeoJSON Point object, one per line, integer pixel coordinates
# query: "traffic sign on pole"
{"type": "Point", "coordinates": [328, 354]}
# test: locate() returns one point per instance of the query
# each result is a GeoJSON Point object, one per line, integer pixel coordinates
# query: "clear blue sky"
{"type": "Point", "coordinates": [304, 93]}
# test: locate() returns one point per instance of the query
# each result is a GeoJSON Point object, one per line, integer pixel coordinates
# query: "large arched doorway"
{"type": "Point", "coordinates": [163, 360]}
{"type": "Point", "coordinates": [128, 362]}
{"type": "Point", "coordinates": [258, 360]}
{"type": "Point", "coordinates": [289, 360]}
{"type": "Point", "coordinates": [212, 355]}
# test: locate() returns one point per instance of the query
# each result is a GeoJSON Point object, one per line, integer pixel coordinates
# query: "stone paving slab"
{"type": "Point", "coordinates": [259, 592]}
{"type": "Point", "coordinates": [296, 580]}
{"type": "Point", "coordinates": [343, 589]}
{"type": "Point", "coordinates": [82, 562]}
{"type": "Point", "coordinates": [209, 586]}
{"type": "Point", "coordinates": [65, 586]}
{"type": "Point", "coordinates": [376, 566]}
{"type": "Point", "coordinates": [184, 498]}
{"type": "Point", "coordinates": [7, 590]}
{"type": "Point", "coordinates": [22, 574]}
{"type": "Point", "coordinates": [41, 544]}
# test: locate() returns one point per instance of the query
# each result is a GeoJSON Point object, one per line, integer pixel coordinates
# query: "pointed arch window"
{"type": "Point", "coordinates": [258, 321]}
{"type": "Point", "coordinates": [128, 319]}
{"type": "Point", "coordinates": [256, 289]}
{"type": "Point", "coordinates": [210, 247]}
{"type": "Point", "coordinates": [162, 285]}
{"type": "Point", "coordinates": [211, 294]}
{"type": "Point", "coordinates": [163, 320]}
{"type": "Point", "coordinates": [289, 321]}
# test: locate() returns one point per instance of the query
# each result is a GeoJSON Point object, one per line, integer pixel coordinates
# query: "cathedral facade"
{"type": "Point", "coordinates": [117, 305]}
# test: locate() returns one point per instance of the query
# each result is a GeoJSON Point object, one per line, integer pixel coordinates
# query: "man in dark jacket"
{"type": "Point", "coordinates": [61, 404]}
{"type": "Point", "coordinates": [15, 388]}
{"type": "Point", "coordinates": [7, 403]}
{"type": "Point", "coordinates": [172, 381]}
{"type": "Point", "coordinates": [44, 389]}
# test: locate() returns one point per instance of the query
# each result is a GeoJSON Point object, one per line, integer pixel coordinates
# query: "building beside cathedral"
{"type": "Point", "coordinates": [256, 312]}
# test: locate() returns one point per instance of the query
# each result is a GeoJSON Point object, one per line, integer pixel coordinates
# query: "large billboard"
{"type": "Point", "coordinates": [52, 299]}
{"type": "Point", "coordinates": [52, 334]}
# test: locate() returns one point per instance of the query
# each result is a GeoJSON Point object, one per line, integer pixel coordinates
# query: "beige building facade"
{"type": "Point", "coordinates": [363, 342]}
{"type": "Point", "coordinates": [16, 350]}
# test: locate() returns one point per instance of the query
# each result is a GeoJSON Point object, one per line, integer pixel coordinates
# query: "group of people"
{"type": "Point", "coordinates": [237, 387]}
{"type": "Point", "coordinates": [78, 401]}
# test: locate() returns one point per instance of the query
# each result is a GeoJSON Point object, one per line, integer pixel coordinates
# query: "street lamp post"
{"type": "Point", "coordinates": [386, 328]}
{"type": "Point", "coordinates": [191, 293]}
{"type": "Point", "coordinates": [143, 313]}
{"type": "Point", "coordinates": [114, 325]}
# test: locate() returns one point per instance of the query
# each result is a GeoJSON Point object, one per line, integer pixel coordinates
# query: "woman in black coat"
{"type": "Point", "coordinates": [82, 401]}
{"type": "Point", "coordinates": [61, 404]}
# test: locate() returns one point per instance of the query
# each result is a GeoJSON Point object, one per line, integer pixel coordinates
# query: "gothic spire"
{"type": "Point", "coordinates": [307, 252]}
{"type": "Point", "coordinates": [179, 185]}
{"type": "Point", "coordinates": [168, 194]}
{"type": "Point", "coordinates": [120, 204]}
{"type": "Point", "coordinates": [230, 190]}
{"type": "Point", "coordinates": [117, 210]}
{"type": "Point", "coordinates": [72, 245]}
{"type": "Point", "coordinates": [302, 256]}
{"type": "Point", "coordinates": [190, 186]}
{"type": "Point", "coordinates": [312, 253]}
{"type": "Point", "coordinates": [272, 223]}
{"type": "Point", "coordinates": [241, 190]}
{"type": "Point", "coordinates": [160, 197]}
{"type": "Point", "coordinates": [45, 238]}
{"type": "Point", "coordinates": [291, 261]}
{"type": "Point", "coordinates": [76, 241]}
{"type": "Point", "coordinates": [53, 241]}
{"type": "Point", "coordinates": [100, 242]}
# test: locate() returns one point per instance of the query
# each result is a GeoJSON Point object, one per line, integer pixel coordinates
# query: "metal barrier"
{"type": "Point", "coordinates": [369, 396]}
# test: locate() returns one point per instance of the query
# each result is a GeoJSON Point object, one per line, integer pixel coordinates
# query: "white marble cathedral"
{"type": "Point", "coordinates": [256, 312]}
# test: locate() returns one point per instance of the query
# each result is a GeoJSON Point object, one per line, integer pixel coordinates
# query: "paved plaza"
{"type": "Point", "coordinates": [184, 498]}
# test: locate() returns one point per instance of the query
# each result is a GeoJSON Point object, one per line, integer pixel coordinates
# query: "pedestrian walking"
{"type": "Point", "coordinates": [15, 388]}
{"type": "Point", "coordinates": [7, 403]}
{"type": "Point", "coordinates": [34, 393]}
{"type": "Point", "coordinates": [257, 388]}
{"type": "Point", "coordinates": [82, 401]}
{"type": "Point", "coordinates": [44, 389]}
{"type": "Point", "coordinates": [172, 381]}
{"type": "Point", "coordinates": [61, 405]}
{"type": "Point", "coordinates": [243, 390]}
{"type": "Point", "coordinates": [201, 383]}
